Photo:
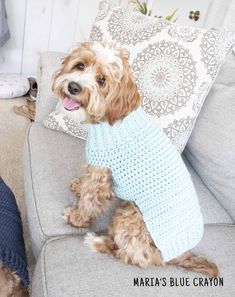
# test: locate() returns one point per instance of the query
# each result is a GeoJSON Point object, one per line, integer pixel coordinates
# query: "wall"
{"type": "Point", "coordinates": [41, 25]}
{"type": "Point", "coordinates": [57, 25]}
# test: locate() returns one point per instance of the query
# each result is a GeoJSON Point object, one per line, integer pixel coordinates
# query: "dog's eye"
{"type": "Point", "coordinates": [100, 81]}
{"type": "Point", "coordinates": [80, 66]}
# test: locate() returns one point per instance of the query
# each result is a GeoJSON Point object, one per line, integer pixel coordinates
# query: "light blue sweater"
{"type": "Point", "coordinates": [146, 168]}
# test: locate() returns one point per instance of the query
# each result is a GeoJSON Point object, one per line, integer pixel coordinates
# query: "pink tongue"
{"type": "Point", "coordinates": [70, 103]}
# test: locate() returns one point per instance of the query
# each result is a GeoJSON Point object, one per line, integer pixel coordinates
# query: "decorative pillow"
{"type": "Point", "coordinates": [13, 85]}
{"type": "Point", "coordinates": [67, 122]}
{"type": "Point", "coordinates": [174, 66]}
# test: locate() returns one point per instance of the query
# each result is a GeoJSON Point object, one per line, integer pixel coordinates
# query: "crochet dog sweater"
{"type": "Point", "coordinates": [12, 249]}
{"type": "Point", "coordinates": [147, 169]}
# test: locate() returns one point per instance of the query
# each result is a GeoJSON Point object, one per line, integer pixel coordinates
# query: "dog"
{"type": "Point", "coordinates": [97, 78]}
{"type": "Point", "coordinates": [10, 283]}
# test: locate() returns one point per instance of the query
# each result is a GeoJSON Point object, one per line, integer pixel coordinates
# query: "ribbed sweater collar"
{"type": "Point", "coordinates": [102, 135]}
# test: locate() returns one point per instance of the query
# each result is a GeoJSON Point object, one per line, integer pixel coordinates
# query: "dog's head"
{"type": "Point", "coordinates": [97, 77]}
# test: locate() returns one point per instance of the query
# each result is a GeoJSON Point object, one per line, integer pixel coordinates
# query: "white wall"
{"type": "Point", "coordinates": [57, 25]}
{"type": "Point", "coordinates": [41, 25]}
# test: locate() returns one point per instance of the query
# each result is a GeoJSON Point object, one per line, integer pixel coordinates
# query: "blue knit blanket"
{"type": "Point", "coordinates": [12, 249]}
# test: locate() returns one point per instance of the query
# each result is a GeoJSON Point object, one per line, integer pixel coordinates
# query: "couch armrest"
{"type": "Point", "coordinates": [49, 62]}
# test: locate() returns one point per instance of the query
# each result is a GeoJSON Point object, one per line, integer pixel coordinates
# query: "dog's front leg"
{"type": "Point", "coordinates": [95, 191]}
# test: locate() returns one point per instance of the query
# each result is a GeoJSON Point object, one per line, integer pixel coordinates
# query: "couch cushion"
{"type": "Point", "coordinates": [66, 267]}
{"type": "Point", "coordinates": [211, 147]}
{"type": "Point", "coordinates": [212, 210]}
{"type": "Point", "coordinates": [52, 159]}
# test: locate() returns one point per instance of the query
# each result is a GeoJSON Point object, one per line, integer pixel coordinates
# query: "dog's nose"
{"type": "Point", "coordinates": [74, 88]}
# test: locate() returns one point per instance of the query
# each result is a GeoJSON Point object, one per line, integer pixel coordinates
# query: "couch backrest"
{"type": "Point", "coordinates": [49, 62]}
{"type": "Point", "coordinates": [211, 147]}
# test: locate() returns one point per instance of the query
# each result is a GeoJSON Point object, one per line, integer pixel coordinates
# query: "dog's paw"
{"type": "Point", "coordinates": [74, 218]}
{"type": "Point", "coordinates": [90, 240]}
{"type": "Point", "coordinates": [75, 185]}
{"type": "Point", "coordinates": [67, 212]}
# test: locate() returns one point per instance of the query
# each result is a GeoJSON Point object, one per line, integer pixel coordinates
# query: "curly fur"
{"type": "Point", "coordinates": [10, 283]}
{"type": "Point", "coordinates": [127, 238]}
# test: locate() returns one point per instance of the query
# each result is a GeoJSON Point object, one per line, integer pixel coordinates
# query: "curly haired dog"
{"type": "Point", "coordinates": [11, 284]}
{"type": "Point", "coordinates": [97, 78]}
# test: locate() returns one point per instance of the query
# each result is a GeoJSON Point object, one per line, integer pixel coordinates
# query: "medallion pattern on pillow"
{"type": "Point", "coordinates": [166, 76]}
{"type": "Point", "coordinates": [129, 27]}
{"type": "Point", "coordinates": [52, 122]}
{"type": "Point", "coordinates": [187, 34]}
{"type": "Point", "coordinates": [96, 34]}
{"type": "Point", "coordinates": [178, 127]}
{"type": "Point", "coordinates": [104, 9]}
{"type": "Point", "coordinates": [197, 104]}
{"type": "Point", "coordinates": [58, 122]}
{"type": "Point", "coordinates": [174, 66]}
{"type": "Point", "coordinates": [75, 128]}
{"type": "Point", "coordinates": [215, 46]}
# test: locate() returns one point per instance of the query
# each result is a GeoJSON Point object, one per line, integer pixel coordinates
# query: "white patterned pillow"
{"type": "Point", "coordinates": [13, 85]}
{"type": "Point", "coordinates": [174, 66]}
{"type": "Point", "coordinates": [67, 122]}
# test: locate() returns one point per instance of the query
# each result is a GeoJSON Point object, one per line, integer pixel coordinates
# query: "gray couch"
{"type": "Point", "coordinates": [65, 266]}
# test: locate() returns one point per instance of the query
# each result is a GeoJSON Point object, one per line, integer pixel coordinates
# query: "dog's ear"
{"type": "Point", "coordinates": [54, 88]}
{"type": "Point", "coordinates": [65, 65]}
{"type": "Point", "coordinates": [57, 73]}
{"type": "Point", "coordinates": [123, 96]}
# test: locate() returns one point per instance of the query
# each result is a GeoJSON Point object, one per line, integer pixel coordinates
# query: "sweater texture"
{"type": "Point", "coordinates": [147, 169]}
{"type": "Point", "coordinates": [12, 249]}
